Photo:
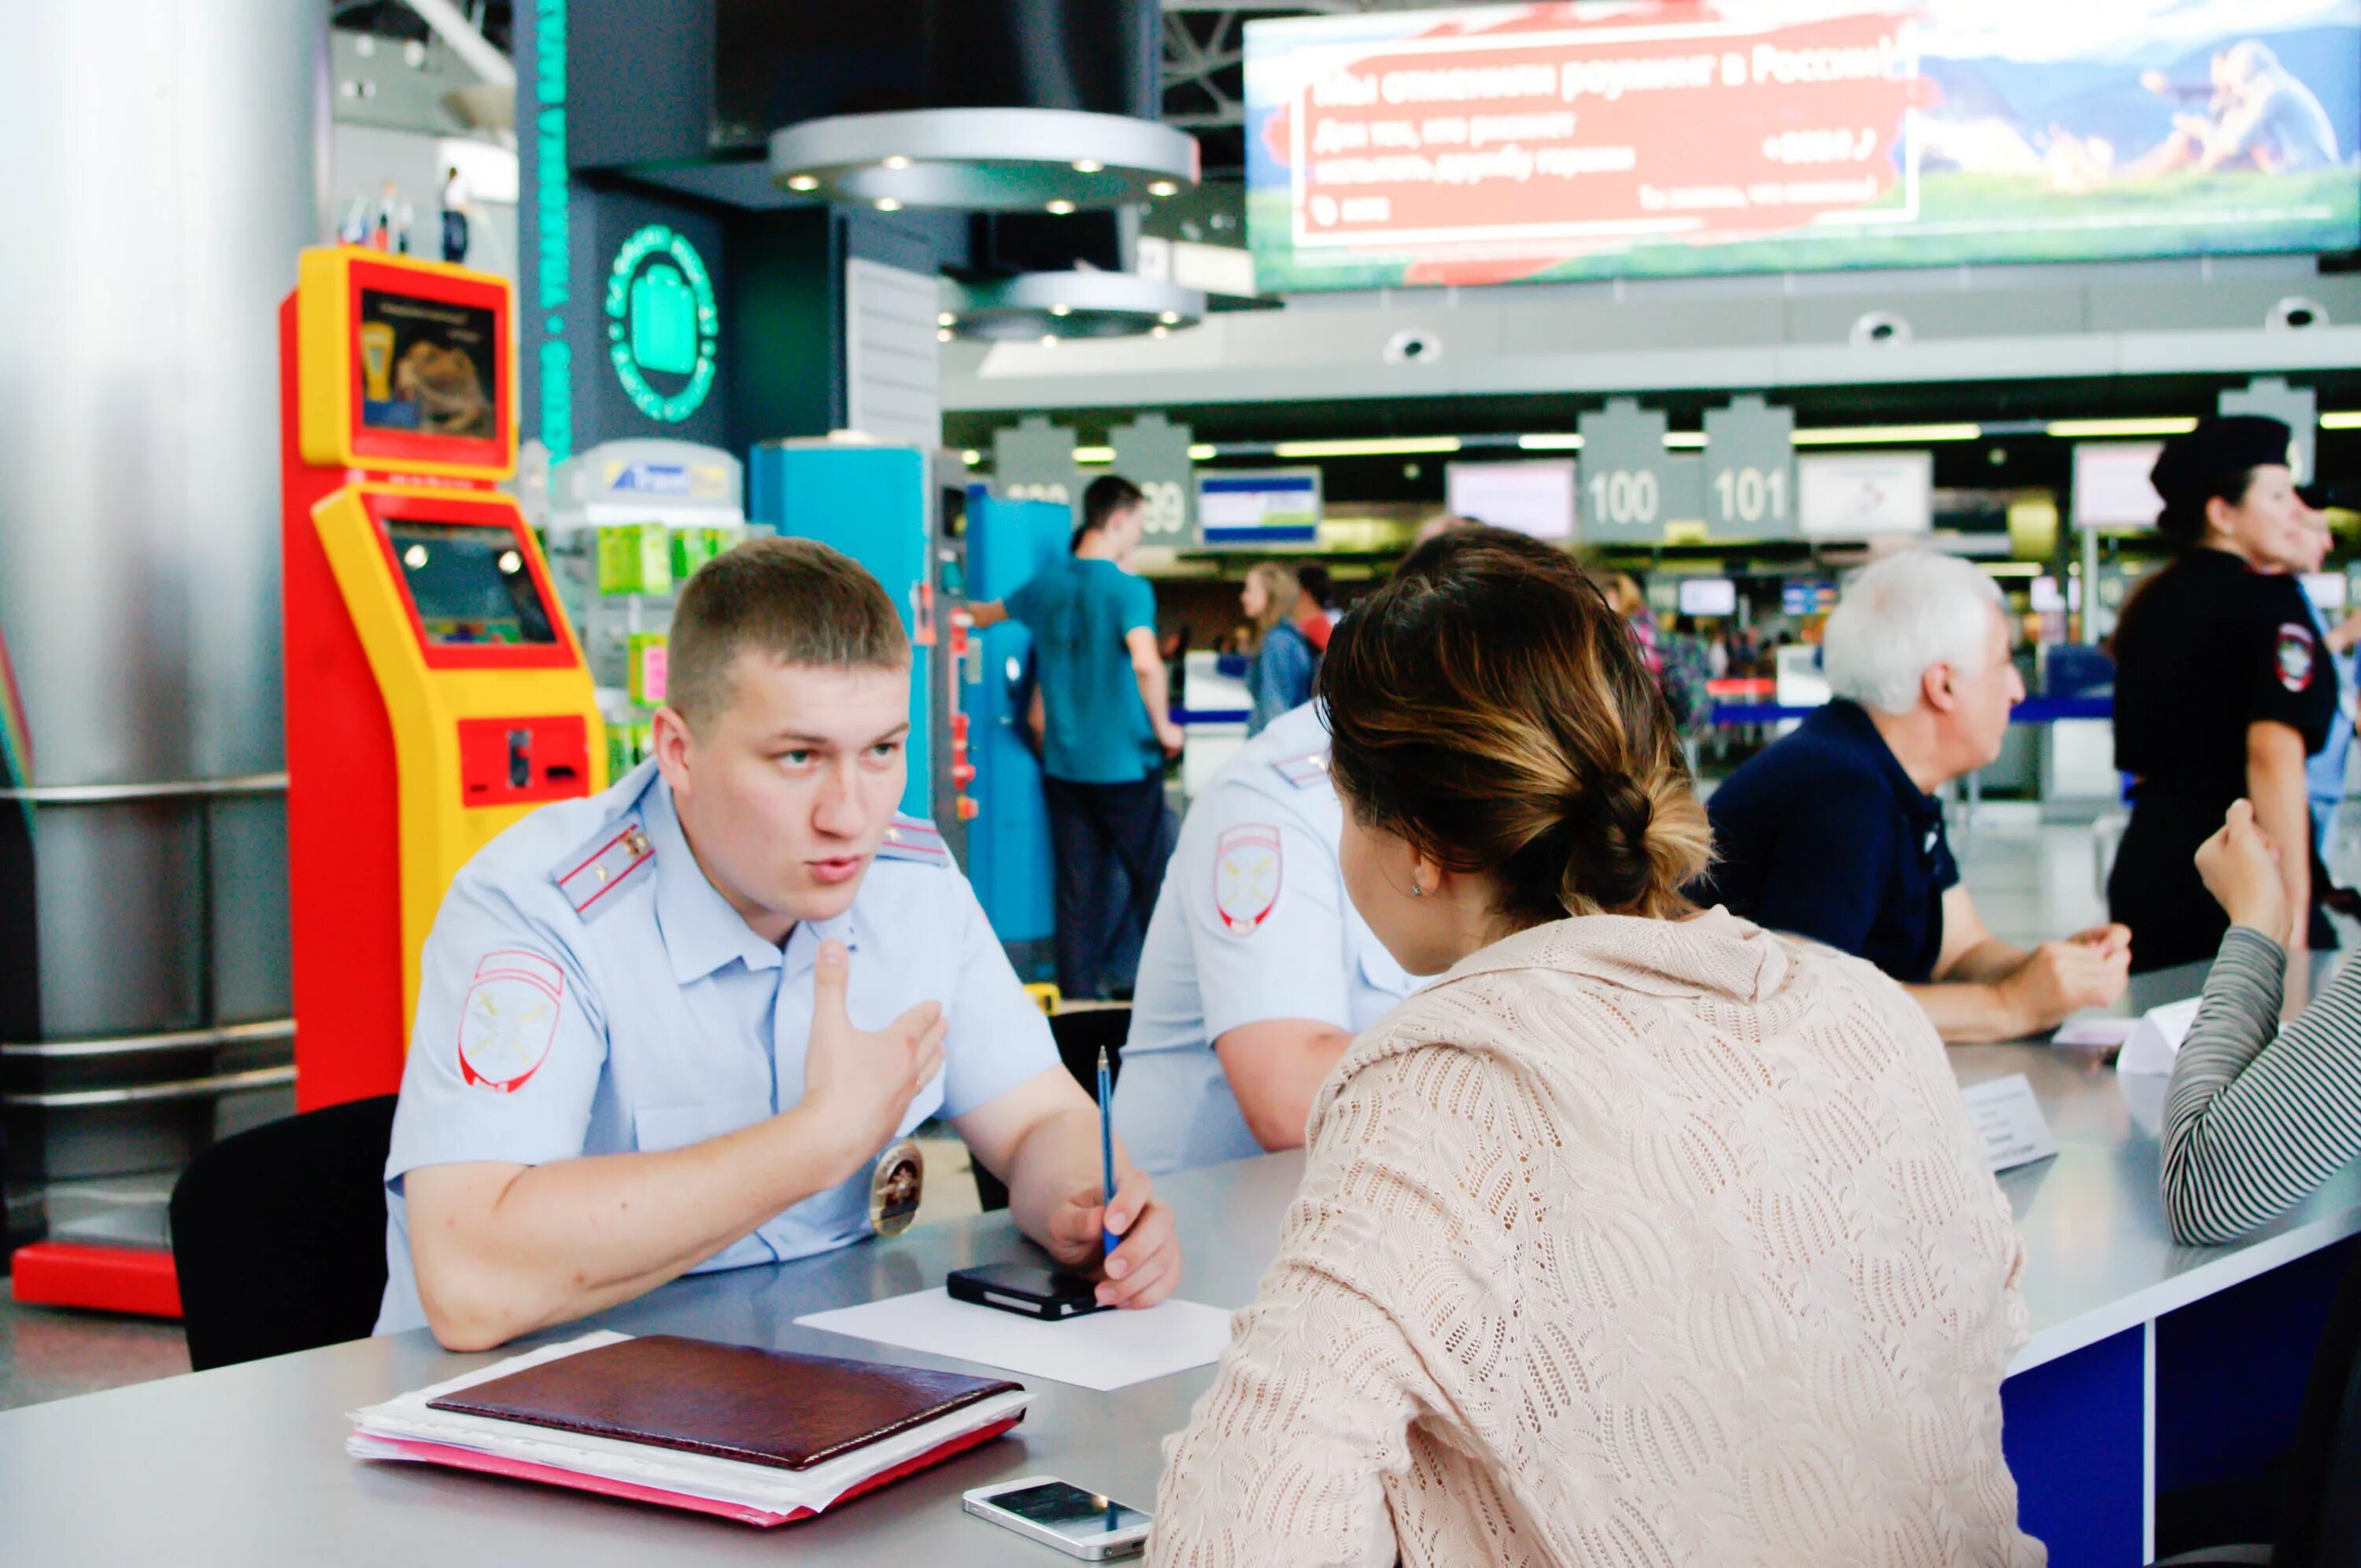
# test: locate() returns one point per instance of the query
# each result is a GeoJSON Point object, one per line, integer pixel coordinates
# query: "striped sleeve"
{"type": "Point", "coordinates": [2257, 1117]}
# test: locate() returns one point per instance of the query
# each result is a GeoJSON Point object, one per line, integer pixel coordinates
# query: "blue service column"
{"type": "Point", "coordinates": [1007, 543]}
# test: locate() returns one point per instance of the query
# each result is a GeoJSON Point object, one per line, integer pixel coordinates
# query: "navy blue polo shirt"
{"type": "Point", "coordinates": [1823, 835]}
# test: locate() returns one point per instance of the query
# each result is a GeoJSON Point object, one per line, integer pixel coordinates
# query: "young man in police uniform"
{"type": "Point", "coordinates": [672, 1027]}
{"type": "Point", "coordinates": [1257, 971]}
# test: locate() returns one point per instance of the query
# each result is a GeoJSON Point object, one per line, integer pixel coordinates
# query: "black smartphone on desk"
{"type": "Point", "coordinates": [1049, 1294]}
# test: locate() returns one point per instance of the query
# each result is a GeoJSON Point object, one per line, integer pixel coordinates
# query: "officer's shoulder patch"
{"type": "Point", "coordinates": [1249, 871]}
{"type": "Point", "coordinates": [591, 875]}
{"type": "Point", "coordinates": [2296, 652]}
{"type": "Point", "coordinates": [914, 839]}
{"type": "Point", "coordinates": [1304, 769]}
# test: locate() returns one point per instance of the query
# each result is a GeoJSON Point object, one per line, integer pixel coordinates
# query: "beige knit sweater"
{"type": "Point", "coordinates": [1626, 1242]}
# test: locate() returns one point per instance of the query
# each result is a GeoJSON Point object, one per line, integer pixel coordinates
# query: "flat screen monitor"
{"type": "Point", "coordinates": [1535, 497]}
{"type": "Point", "coordinates": [1708, 596]}
{"type": "Point", "coordinates": [428, 366]}
{"type": "Point", "coordinates": [1865, 494]}
{"type": "Point", "coordinates": [1672, 138]}
{"type": "Point", "coordinates": [471, 584]}
{"type": "Point", "coordinates": [2111, 483]}
{"type": "Point", "coordinates": [1265, 507]}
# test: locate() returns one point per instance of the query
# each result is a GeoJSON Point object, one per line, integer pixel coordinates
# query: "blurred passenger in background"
{"type": "Point", "coordinates": [2324, 774]}
{"type": "Point", "coordinates": [2223, 687]}
{"type": "Point", "coordinates": [1281, 676]}
{"type": "Point", "coordinates": [1834, 832]}
{"type": "Point", "coordinates": [1107, 728]}
{"type": "Point", "coordinates": [1315, 606]}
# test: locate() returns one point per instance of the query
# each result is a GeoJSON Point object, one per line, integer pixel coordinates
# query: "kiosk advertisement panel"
{"type": "Point", "coordinates": [435, 691]}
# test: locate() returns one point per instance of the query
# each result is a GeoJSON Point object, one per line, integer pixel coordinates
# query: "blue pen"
{"type": "Point", "coordinates": [1107, 1143]}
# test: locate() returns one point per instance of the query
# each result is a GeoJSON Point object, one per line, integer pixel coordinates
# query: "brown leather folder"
{"type": "Point", "coordinates": [732, 1401]}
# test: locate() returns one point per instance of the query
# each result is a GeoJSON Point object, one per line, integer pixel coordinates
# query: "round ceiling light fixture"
{"type": "Point", "coordinates": [1037, 306]}
{"type": "Point", "coordinates": [985, 160]}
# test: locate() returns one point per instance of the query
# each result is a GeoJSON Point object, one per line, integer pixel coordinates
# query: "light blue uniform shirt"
{"type": "Point", "coordinates": [586, 991]}
{"type": "Point", "coordinates": [1252, 925]}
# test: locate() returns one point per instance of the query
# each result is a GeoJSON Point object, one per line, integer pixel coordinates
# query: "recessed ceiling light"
{"type": "Point", "coordinates": [888, 205]}
{"type": "Point", "coordinates": [1048, 340]}
{"type": "Point", "coordinates": [1169, 318]}
{"type": "Point", "coordinates": [1060, 207]}
{"type": "Point", "coordinates": [1162, 188]}
{"type": "Point", "coordinates": [803, 182]}
{"type": "Point", "coordinates": [942, 335]}
{"type": "Point", "coordinates": [944, 318]}
{"type": "Point", "coordinates": [896, 160]}
{"type": "Point", "coordinates": [971, 456]}
{"type": "Point", "coordinates": [1061, 309]}
{"type": "Point", "coordinates": [1087, 166]}
{"type": "Point", "coordinates": [1160, 331]}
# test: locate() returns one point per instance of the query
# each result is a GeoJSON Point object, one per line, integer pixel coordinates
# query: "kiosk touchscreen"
{"type": "Point", "coordinates": [436, 692]}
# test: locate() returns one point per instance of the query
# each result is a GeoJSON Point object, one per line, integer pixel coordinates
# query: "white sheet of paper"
{"type": "Point", "coordinates": [1103, 1350]}
{"type": "Point", "coordinates": [2009, 1120]}
{"type": "Point", "coordinates": [2156, 1039]}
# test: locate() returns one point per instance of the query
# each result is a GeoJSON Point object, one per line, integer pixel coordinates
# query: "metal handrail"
{"type": "Point", "coordinates": [140, 1045]}
{"type": "Point", "coordinates": [185, 789]}
{"type": "Point", "coordinates": [178, 1089]}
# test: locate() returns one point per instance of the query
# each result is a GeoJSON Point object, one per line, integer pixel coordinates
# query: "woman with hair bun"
{"type": "Point", "coordinates": [1642, 1237]}
{"type": "Point", "coordinates": [2222, 688]}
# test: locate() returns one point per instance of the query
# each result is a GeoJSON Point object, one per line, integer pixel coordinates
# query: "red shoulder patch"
{"type": "Point", "coordinates": [2297, 656]}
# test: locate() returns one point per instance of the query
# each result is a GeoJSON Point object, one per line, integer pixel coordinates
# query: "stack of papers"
{"type": "Point", "coordinates": [406, 1429]}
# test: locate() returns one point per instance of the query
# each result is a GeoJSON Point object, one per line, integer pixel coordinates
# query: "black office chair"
{"type": "Point", "coordinates": [1079, 1032]}
{"type": "Point", "coordinates": [279, 1234]}
{"type": "Point", "coordinates": [2320, 1506]}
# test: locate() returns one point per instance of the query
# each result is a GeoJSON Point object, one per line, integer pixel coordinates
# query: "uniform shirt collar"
{"type": "Point", "coordinates": [701, 932]}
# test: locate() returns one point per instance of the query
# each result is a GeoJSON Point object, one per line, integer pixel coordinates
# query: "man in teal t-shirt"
{"type": "Point", "coordinates": [1105, 729]}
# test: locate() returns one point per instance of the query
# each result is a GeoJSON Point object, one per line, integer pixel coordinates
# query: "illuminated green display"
{"type": "Point", "coordinates": [663, 326]}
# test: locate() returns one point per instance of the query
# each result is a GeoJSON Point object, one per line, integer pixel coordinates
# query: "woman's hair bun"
{"type": "Point", "coordinates": [1489, 705]}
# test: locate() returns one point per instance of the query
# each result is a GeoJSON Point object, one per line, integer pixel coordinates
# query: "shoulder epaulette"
{"type": "Point", "coordinates": [617, 854]}
{"type": "Point", "coordinates": [914, 839]}
{"type": "Point", "coordinates": [1305, 768]}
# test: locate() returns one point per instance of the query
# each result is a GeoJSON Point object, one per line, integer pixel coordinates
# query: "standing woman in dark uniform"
{"type": "Point", "coordinates": [2222, 686]}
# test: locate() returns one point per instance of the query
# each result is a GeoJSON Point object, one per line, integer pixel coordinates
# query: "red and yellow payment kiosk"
{"type": "Point", "coordinates": [434, 692]}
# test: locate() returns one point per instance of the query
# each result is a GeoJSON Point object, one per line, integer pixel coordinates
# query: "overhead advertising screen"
{"type": "Point", "coordinates": [1536, 499]}
{"type": "Point", "coordinates": [1680, 137]}
{"type": "Point", "coordinates": [426, 364]}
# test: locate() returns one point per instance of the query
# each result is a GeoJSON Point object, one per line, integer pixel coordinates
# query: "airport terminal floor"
{"type": "Point", "coordinates": [1356, 780]}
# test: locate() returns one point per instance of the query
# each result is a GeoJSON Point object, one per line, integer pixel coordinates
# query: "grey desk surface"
{"type": "Point", "coordinates": [246, 1465]}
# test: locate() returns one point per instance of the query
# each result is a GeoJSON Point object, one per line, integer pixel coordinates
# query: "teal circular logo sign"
{"type": "Point", "coordinates": [661, 324]}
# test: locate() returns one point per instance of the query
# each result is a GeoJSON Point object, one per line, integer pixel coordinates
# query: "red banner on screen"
{"type": "Point", "coordinates": [1553, 143]}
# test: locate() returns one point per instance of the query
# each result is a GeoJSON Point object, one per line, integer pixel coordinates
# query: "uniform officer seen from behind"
{"type": "Point", "coordinates": [671, 1028]}
{"type": "Point", "coordinates": [1257, 971]}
